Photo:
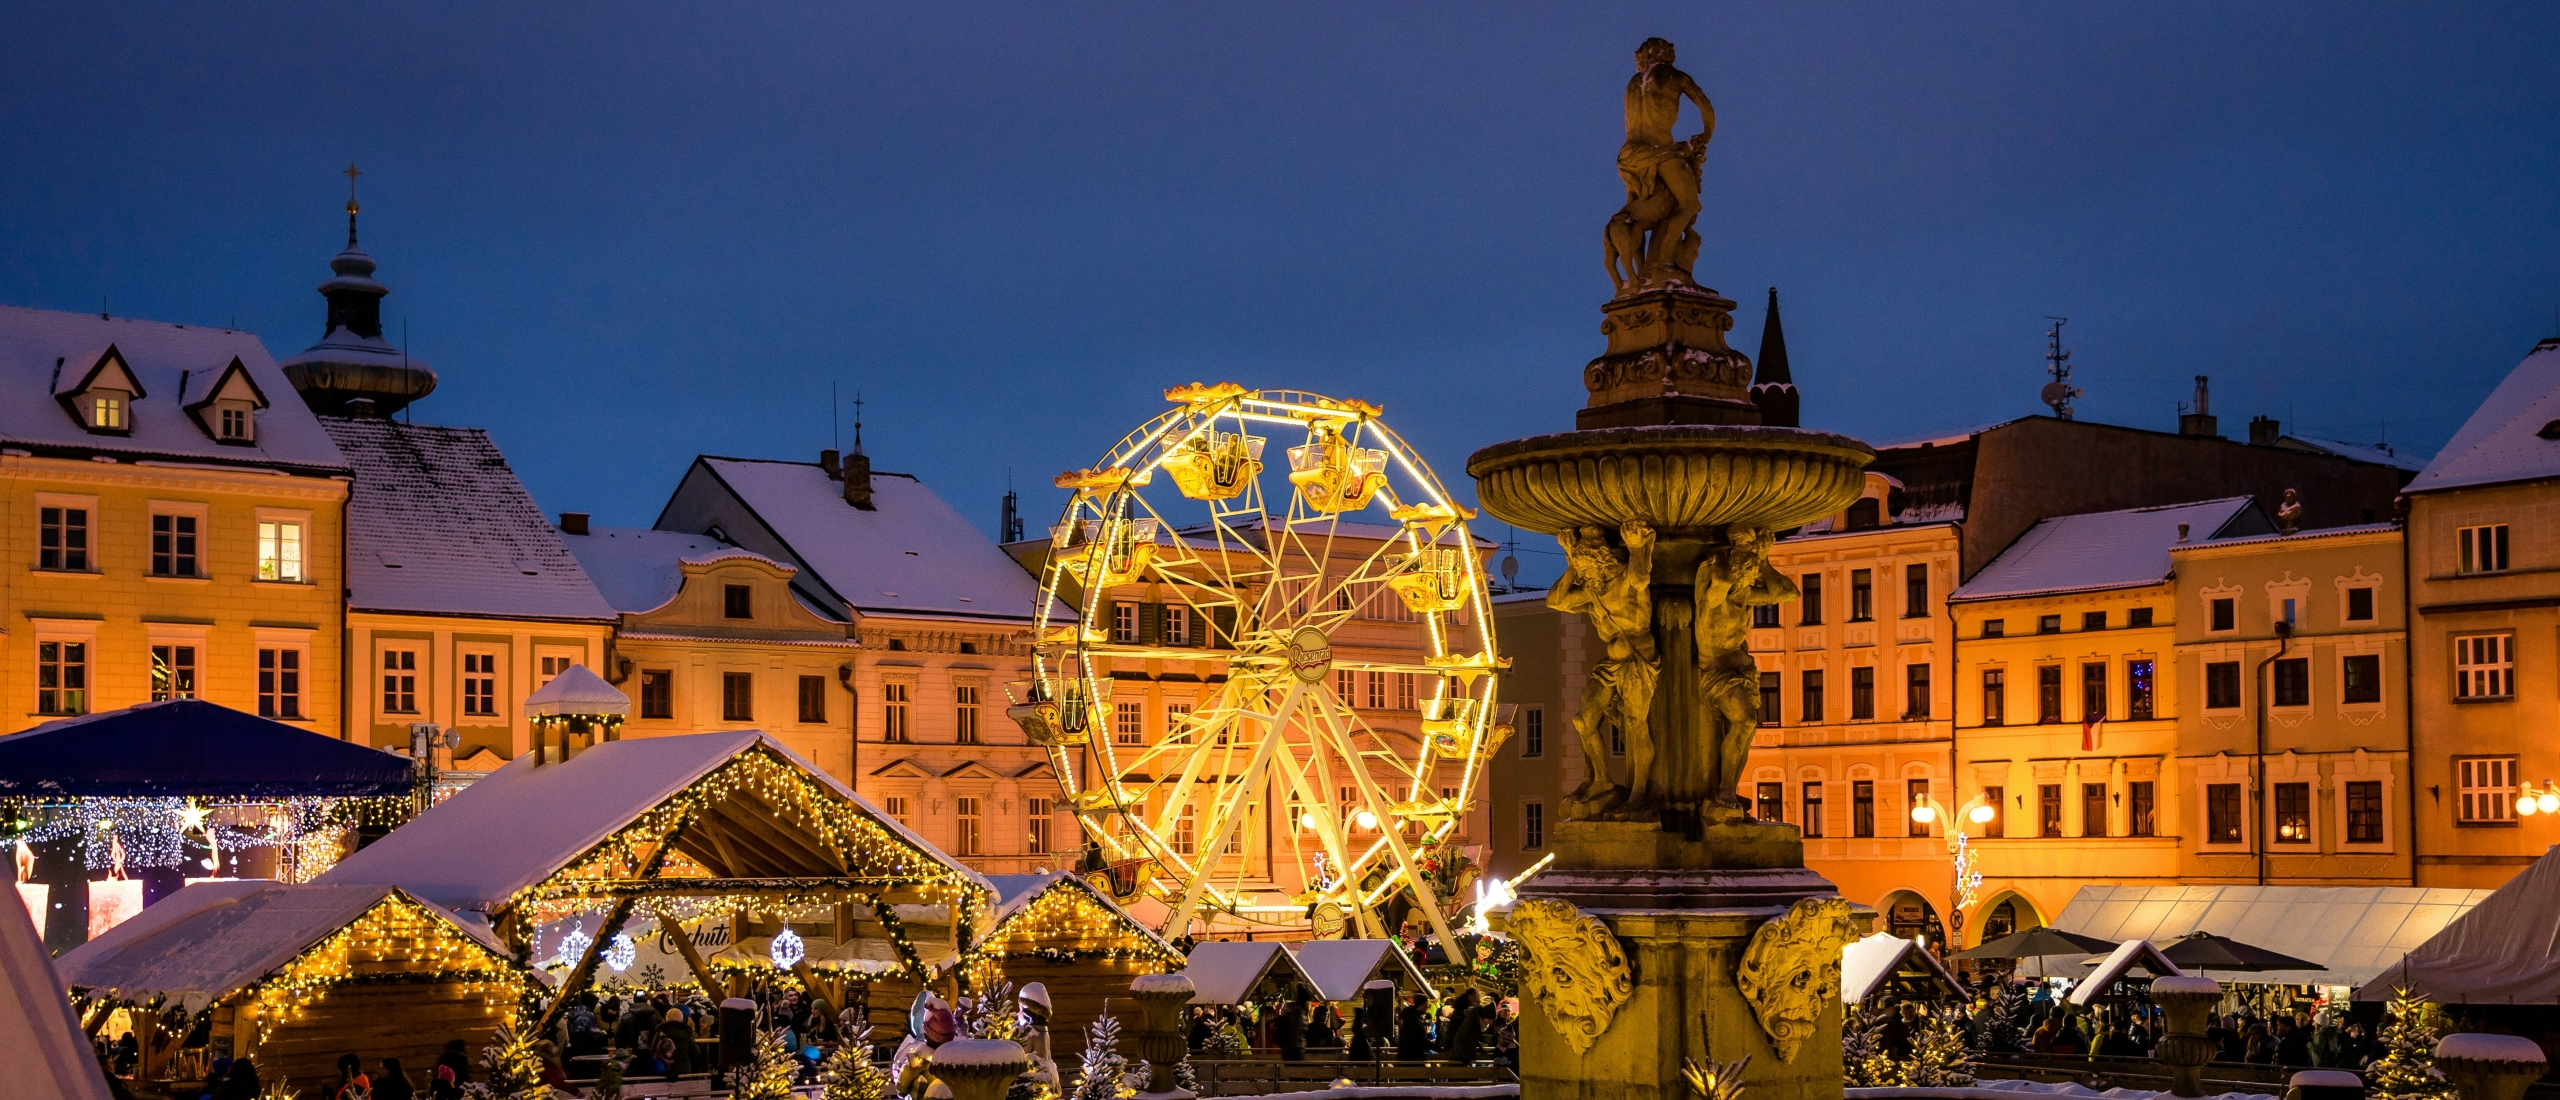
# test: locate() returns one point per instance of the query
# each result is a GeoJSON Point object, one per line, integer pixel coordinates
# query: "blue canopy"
{"type": "Point", "coordinates": [189, 747]}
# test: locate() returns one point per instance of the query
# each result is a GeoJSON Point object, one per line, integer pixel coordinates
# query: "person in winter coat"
{"type": "Point", "coordinates": [393, 1082]}
{"type": "Point", "coordinates": [242, 1082]}
{"type": "Point", "coordinates": [453, 1070]}
{"type": "Point", "coordinates": [1289, 1031]}
{"type": "Point", "coordinates": [1413, 1036]}
{"type": "Point", "coordinates": [1466, 1030]}
{"type": "Point", "coordinates": [1364, 1047]}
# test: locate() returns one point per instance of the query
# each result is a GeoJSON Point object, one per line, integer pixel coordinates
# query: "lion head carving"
{"type": "Point", "coordinates": [1576, 970]}
{"type": "Point", "coordinates": [1791, 970]}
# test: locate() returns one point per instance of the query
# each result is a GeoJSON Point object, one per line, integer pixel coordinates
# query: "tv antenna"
{"type": "Point", "coordinates": [2059, 392]}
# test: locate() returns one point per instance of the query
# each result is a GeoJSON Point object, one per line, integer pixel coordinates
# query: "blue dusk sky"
{"type": "Point", "coordinates": [629, 233]}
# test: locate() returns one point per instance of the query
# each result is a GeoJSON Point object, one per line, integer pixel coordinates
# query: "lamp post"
{"type": "Point", "coordinates": [1960, 848]}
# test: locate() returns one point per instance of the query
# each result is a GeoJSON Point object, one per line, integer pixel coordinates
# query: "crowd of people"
{"type": "Point", "coordinates": [2028, 1018]}
{"type": "Point", "coordinates": [1466, 1029]}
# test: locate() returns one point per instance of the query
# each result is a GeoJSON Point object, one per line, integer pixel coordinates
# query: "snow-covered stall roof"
{"type": "Point", "coordinates": [175, 365]}
{"type": "Point", "coordinates": [1228, 972]}
{"type": "Point", "coordinates": [1868, 963]}
{"type": "Point", "coordinates": [2504, 441]}
{"type": "Point", "coordinates": [1338, 968]}
{"type": "Point", "coordinates": [910, 553]}
{"type": "Point", "coordinates": [209, 940]}
{"type": "Point", "coordinates": [2129, 956]}
{"type": "Point", "coordinates": [2102, 550]}
{"type": "Point", "coordinates": [2355, 931]}
{"type": "Point", "coordinates": [2504, 950]}
{"type": "Point", "coordinates": [1015, 893]}
{"type": "Point", "coordinates": [577, 691]}
{"type": "Point", "coordinates": [527, 821]}
{"type": "Point", "coordinates": [437, 524]}
{"type": "Point", "coordinates": [40, 1040]}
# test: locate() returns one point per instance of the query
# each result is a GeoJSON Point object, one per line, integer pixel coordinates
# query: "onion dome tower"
{"type": "Point", "coordinates": [1774, 390]}
{"type": "Point", "coordinates": [353, 371]}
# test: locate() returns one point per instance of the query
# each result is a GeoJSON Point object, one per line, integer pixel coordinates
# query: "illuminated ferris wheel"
{"type": "Point", "coordinates": [1329, 603]}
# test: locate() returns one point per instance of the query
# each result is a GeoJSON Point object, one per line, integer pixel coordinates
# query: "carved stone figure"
{"type": "Point", "coordinates": [1577, 972]}
{"type": "Point", "coordinates": [1614, 589]}
{"type": "Point", "coordinates": [1731, 581]}
{"type": "Point", "coordinates": [1649, 240]}
{"type": "Point", "coordinates": [1791, 971]}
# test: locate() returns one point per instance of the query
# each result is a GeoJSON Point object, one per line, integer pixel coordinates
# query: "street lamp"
{"type": "Point", "coordinates": [1968, 879]}
{"type": "Point", "coordinates": [2530, 802]}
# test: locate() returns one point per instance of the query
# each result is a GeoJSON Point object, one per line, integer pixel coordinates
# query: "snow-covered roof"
{"type": "Point", "coordinates": [578, 690]}
{"type": "Point", "coordinates": [911, 553]}
{"type": "Point", "coordinates": [1941, 439]}
{"type": "Point", "coordinates": [205, 942]}
{"type": "Point", "coordinates": [2129, 956]}
{"type": "Point", "coordinates": [2354, 931]}
{"type": "Point", "coordinates": [2298, 536]}
{"type": "Point", "coordinates": [40, 1039]}
{"type": "Point", "coordinates": [438, 525]}
{"type": "Point", "coordinates": [2375, 453]}
{"type": "Point", "coordinates": [2102, 550]}
{"type": "Point", "coordinates": [2503, 949]}
{"type": "Point", "coordinates": [636, 569]}
{"type": "Point", "coordinates": [1868, 963]}
{"type": "Point", "coordinates": [2503, 440]}
{"type": "Point", "coordinates": [1338, 968]}
{"type": "Point", "coordinates": [174, 364]}
{"type": "Point", "coordinates": [525, 822]}
{"type": "Point", "coordinates": [1227, 972]}
{"type": "Point", "coordinates": [1014, 893]}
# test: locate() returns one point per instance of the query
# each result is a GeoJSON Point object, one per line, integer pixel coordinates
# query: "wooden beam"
{"type": "Point", "coordinates": [808, 976]}
{"type": "Point", "coordinates": [669, 929]}
{"type": "Point", "coordinates": [585, 971]}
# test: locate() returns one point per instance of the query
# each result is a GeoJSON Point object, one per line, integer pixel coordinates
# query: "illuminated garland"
{"type": "Point", "coordinates": [395, 929]}
{"type": "Point", "coordinates": [1065, 915]}
{"type": "Point", "coordinates": [138, 833]}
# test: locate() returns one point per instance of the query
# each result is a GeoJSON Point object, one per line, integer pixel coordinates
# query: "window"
{"type": "Point", "coordinates": [1533, 826]}
{"type": "Point", "coordinates": [2293, 682]}
{"type": "Point", "coordinates": [1915, 792]}
{"type": "Point", "coordinates": [2140, 688]}
{"type": "Point", "coordinates": [2226, 614]}
{"type": "Point", "coordinates": [657, 693]}
{"type": "Point", "coordinates": [1813, 808]}
{"type": "Point", "coordinates": [2222, 685]}
{"type": "Point", "coordinates": [62, 539]}
{"type": "Point", "coordinates": [1041, 836]}
{"type": "Point", "coordinates": [1811, 585]}
{"type": "Point", "coordinates": [964, 712]}
{"type": "Point", "coordinates": [1862, 694]}
{"type": "Point", "coordinates": [280, 683]}
{"type": "Point", "coordinates": [2360, 678]}
{"type": "Point", "coordinates": [400, 681]}
{"type": "Point", "coordinates": [2140, 616]}
{"type": "Point", "coordinates": [1404, 691]}
{"type": "Point", "coordinates": [548, 667]}
{"type": "Point", "coordinates": [1128, 723]}
{"type": "Point", "coordinates": [2484, 549]}
{"type": "Point", "coordinates": [2142, 810]}
{"type": "Point", "coordinates": [1533, 733]}
{"type": "Point", "coordinates": [2093, 809]}
{"type": "Point", "coordinates": [1186, 832]}
{"type": "Point", "coordinates": [2364, 812]}
{"type": "Point", "coordinates": [1862, 595]}
{"type": "Point", "coordinates": [173, 546]}
{"type": "Point", "coordinates": [173, 672]}
{"type": "Point", "coordinates": [106, 411]}
{"type": "Point", "coordinates": [1772, 802]}
{"type": "Point", "coordinates": [1995, 696]}
{"type": "Point", "coordinates": [1177, 624]}
{"type": "Point", "coordinates": [2359, 605]}
{"type": "Point", "coordinates": [893, 714]}
{"type": "Point", "coordinates": [1769, 690]}
{"type": "Point", "coordinates": [235, 424]}
{"type": "Point", "coordinates": [1915, 692]}
{"type": "Point", "coordinates": [971, 826]}
{"type": "Point", "coordinates": [2048, 624]}
{"type": "Point", "coordinates": [2293, 813]}
{"type": "Point", "coordinates": [480, 684]}
{"type": "Point", "coordinates": [2093, 620]}
{"type": "Point", "coordinates": [2093, 691]}
{"type": "Point", "coordinates": [2049, 809]}
{"type": "Point", "coordinates": [737, 697]}
{"type": "Point", "coordinates": [1235, 833]}
{"type": "Point", "coordinates": [1764, 616]}
{"type": "Point", "coordinates": [2484, 666]}
{"type": "Point", "coordinates": [737, 602]}
{"type": "Point", "coordinates": [813, 698]}
{"type": "Point", "coordinates": [1998, 826]}
{"type": "Point", "coordinates": [1915, 591]}
{"type": "Point", "coordinates": [2049, 693]}
{"type": "Point", "coordinates": [1995, 628]}
{"type": "Point", "coordinates": [62, 677]}
{"type": "Point", "coordinates": [1811, 710]}
{"type": "Point", "coordinates": [1177, 717]}
{"type": "Point", "coordinates": [2222, 814]}
{"type": "Point", "coordinates": [1862, 808]}
{"type": "Point", "coordinates": [2485, 789]}
{"type": "Point", "coordinates": [1124, 622]}
{"type": "Point", "coordinates": [279, 550]}
{"type": "Point", "coordinates": [1377, 690]}
{"type": "Point", "coordinates": [1346, 684]}
{"type": "Point", "coordinates": [2289, 612]}
{"type": "Point", "coordinates": [897, 807]}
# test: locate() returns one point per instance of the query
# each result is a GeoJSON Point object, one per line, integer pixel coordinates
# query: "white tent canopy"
{"type": "Point", "coordinates": [1226, 972]}
{"type": "Point", "coordinates": [2505, 950]}
{"type": "Point", "coordinates": [1338, 968]}
{"type": "Point", "coordinates": [1866, 964]}
{"type": "Point", "coordinates": [2355, 931]}
{"type": "Point", "coordinates": [40, 1040]}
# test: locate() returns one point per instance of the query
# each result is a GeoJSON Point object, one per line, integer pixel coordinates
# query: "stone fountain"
{"type": "Point", "coordinates": [1673, 926]}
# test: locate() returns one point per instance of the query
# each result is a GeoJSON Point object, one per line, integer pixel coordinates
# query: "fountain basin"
{"type": "Point", "coordinates": [1679, 478]}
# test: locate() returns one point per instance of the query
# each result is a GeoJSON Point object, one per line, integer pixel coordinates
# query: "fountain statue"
{"type": "Point", "coordinates": [1673, 927]}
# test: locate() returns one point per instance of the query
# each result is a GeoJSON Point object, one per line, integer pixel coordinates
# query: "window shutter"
{"type": "Point", "coordinates": [1225, 627]}
{"type": "Point", "coordinates": [1150, 623]}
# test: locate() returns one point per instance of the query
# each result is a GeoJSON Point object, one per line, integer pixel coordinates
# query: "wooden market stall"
{"type": "Point", "coordinates": [1055, 929]}
{"type": "Point", "coordinates": [1896, 968]}
{"type": "Point", "coordinates": [295, 976]}
{"type": "Point", "coordinates": [1247, 972]}
{"type": "Point", "coordinates": [1337, 969]}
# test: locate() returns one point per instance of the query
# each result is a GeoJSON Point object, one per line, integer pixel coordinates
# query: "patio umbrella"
{"type": "Point", "coordinates": [2198, 951]}
{"type": "Point", "coordinates": [2038, 942]}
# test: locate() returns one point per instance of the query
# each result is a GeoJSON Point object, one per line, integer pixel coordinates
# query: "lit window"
{"type": "Point", "coordinates": [2293, 813]}
{"type": "Point", "coordinates": [2485, 789]}
{"type": "Point", "coordinates": [62, 677]}
{"type": "Point", "coordinates": [280, 683]}
{"type": "Point", "coordinates": [2141, 809]}
{"type": "Point", "coordinates": [1813, 809]}
{"type": "Point", "coordinates": [106, 412]}
{"type": "Point", "coordinates": [2049, 809]}
{"type": "Point", "coordinates": [62, 539]}
{"type": "Point", "coordinates": [279, 550]}
{"type": "Point", "coordinates": [2139, 690]}
{"type": "Point", "coordinates": [400, 681]}
{"type": "Point", "coordinates": [1862, 595]}
{"type": "Point", "coordinates": [2484, 666]}
{"type": "Point", "coordinates": [1772, 803]}
{"type": "Point", "coordinates": [971, 826]}
{"type": "Point", "coordinates": [893, 713]}
{"type": "Point", "coordinates": [2049, 693]}
{"type": "Point", "coordinates": [2483, 549]}
{"type": "Point", "coordinates": [480, 684]}
{"type": "Point", "coordinates": [964, 699]}
{"type": "Point", "coordinates": [173, 546]}
{"type": "Point", "coordinates": [737, 697]}
{"type": "Point", "coordinates": [173, 672]}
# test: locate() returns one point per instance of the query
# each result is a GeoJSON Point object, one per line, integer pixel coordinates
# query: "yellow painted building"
{"type": "Point", "coordinates": [169, 531]}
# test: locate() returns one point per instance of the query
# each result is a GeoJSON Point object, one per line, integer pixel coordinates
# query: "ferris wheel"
{"type": "Point", "coordinates": [1327, 614]}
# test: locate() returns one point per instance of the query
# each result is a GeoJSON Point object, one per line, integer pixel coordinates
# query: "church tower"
{"type": "Point", "coordinates": [353, 371]}
{"type": "Point", "coordinates": [1773, 389]}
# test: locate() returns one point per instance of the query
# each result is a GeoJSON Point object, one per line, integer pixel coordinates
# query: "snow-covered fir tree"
{"type": "Point", "coordinates": [1104, 1074]}
{"type": "Point", "coordinates": [1937, 1055]}
{"type": "Point", "coordinates": [510, 1069]}
{"type": "Point", "coordinates": [1863, 1064]}
{"type": "Point", "coordinates": [848, 1073]}
{"type": "Point", "coordinates": [769, 1070]}
{"type": "Point", "coordinates": [2406, 1069]}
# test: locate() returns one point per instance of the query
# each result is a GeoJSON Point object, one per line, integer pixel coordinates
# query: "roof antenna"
{"type": "Point", "coordinates": [1511, 561]}
{"type": "Point", "coordinates": [2059, 392]}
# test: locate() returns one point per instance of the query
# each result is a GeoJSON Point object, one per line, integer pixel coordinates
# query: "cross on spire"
{"type": "Point", "coordinates": [351, 173]}
{"type": "Point", "coordinates": [857, 422]}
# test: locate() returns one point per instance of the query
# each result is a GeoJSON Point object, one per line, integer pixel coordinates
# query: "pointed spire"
{"type": "Point", "coordinates": [351, 173]}
{"type": "Point", "coordinates": [353, 370]}
{"type": "Point", "coordinates": [1774, 388]}
{"type": "Point", "coordinates": [857, 422]}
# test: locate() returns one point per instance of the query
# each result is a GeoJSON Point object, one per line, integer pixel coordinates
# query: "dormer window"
{"type": "Point", "coordinates": [228, 411]}
{"type": "Point", "coordinates": [99, 390]}
{"type": "Point", "coordinates": [235, 426]}
{"type": "Point", "coordinates": [107, 412]}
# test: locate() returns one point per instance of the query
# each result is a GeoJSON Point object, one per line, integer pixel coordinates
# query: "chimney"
{"type": "Point", "coordinates": [2262, 431]}
{"type": "Point", "coordinates": [573, 523]}
{"type": "Point", "coordinates": [2200, 422]}
{"type": "Point", "coordinates": [857, 480]}
{"type": "Point", "coordinates": [2182, 532]}
{"type": "Point", "coordinates": [827, 462]}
